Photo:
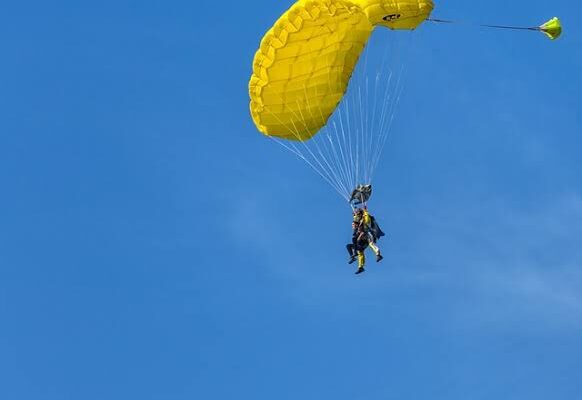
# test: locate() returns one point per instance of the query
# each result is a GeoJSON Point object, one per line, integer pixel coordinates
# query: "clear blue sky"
{"type": "Point", "coordinates": [153, 245]}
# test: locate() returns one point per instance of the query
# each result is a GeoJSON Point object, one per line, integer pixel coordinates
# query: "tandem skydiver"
{"type": "Point", "coordinates": [365, 233]}
{"type": "Point", "coordinates": [360, 242]}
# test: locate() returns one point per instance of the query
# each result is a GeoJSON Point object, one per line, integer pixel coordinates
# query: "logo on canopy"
{"type": "Point", "coordinates": [391, 17]}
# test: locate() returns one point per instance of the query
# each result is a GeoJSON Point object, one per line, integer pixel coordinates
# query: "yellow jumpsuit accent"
{"type": "Point", "coordinates": [361, 259]}
{"type": "Point", "coordinates": [362, 255]}
{"type": "Point", "coordinates": [367, 222]}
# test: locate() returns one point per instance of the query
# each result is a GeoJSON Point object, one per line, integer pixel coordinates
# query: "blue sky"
{"type": "Point", "coordinates": [154, 245]}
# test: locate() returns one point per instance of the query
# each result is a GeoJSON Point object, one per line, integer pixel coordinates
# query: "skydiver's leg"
{"type": "Point", "coordinates": [376, 251]}
{"type": "Point", "coordinates": [352, 251]}
{"type": "Point", "coordinates": [361, 261]}
{"type": "Point", "coordinates": [374, 248]}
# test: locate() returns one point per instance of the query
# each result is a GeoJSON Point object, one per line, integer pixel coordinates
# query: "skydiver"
{"type": "Point", "coordinates": [368, 224]}
{"type": "Point", "coordinates": [357, 227]}
{"type": "Point", "coordinates": [360, 241]}
{"type": "Point", "coordinates": [356, 249]}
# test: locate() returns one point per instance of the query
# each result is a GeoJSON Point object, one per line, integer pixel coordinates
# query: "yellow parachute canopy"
{"type": "Point", "coordinates": [305, 61]}
{"type": "Point", "coordinates": [552, 28]}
